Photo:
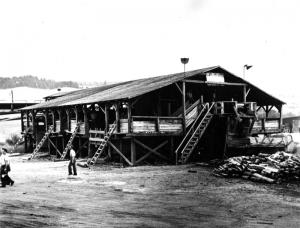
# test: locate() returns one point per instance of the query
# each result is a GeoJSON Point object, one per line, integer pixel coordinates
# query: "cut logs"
{"type": "Point", "coordinates": [274, 168]}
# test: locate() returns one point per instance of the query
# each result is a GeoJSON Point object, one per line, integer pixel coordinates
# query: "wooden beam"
{"type": "Point", "coordinates": [129, 117]}
{"type": "Point", "coordinates": [248, 92]}
{"type": "Point", "coordinates": [150, 152]}
{"type": "Point", "coordinates": [118, 116]}
{"type": "Point", "coordinates": [86, 120]}
{"type": "Point", "coordinates": [68, 119]}
{"type": "Point", "coordinates": [178, 87]}
{"type": "Point", "coordinates": [214, 83]}
{"type": "Point", "coordinates": [120, 153]}
{"type": "Point", "coordinates": [244, 93]}
{"type": "Point", "coordinates": [106, 117]}
{"type": "Point", "coordinates": [22, 121]}
{"type": "Point", "coordinates": [183, 109]}
{"type": "Point", "coordinates": [148, 148]}
{"type": "Point", "coordinates": [49, 140]}
{"type": "Point", "coordinates": [133, 151]}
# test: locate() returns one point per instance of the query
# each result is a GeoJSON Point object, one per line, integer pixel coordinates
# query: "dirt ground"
{"type": "Point", "coordinates": [145, 196]}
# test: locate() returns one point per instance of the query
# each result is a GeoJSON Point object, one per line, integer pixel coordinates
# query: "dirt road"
{"type": "Point", "coordinates": [147, 196]}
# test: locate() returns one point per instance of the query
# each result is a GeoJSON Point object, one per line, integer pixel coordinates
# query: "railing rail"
{"type": "Point", "coordinates": [205, 107]}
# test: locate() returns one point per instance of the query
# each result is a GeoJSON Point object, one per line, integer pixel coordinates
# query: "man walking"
{"type": "Point", "coordinates": [72, 163]}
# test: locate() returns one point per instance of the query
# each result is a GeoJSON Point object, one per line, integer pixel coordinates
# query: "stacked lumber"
{"type": "Point", "coordinates": [273, 168]}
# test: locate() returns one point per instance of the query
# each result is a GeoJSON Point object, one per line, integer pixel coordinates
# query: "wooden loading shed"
{"type": "Point", "coordinates": [172, 118]}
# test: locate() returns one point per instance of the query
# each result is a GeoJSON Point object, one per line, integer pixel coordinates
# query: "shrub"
{"type": "Point", "coordinates": [14, 138]}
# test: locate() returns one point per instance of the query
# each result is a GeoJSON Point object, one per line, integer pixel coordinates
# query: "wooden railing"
{"type": "Point", "coordinates": [266, 125]}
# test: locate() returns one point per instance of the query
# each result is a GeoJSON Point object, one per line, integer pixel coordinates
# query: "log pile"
{"type": "Point", "coordinates": [273, 168]}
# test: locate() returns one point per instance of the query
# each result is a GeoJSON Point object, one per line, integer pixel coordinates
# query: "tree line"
{"type": "Point", "coordinates": [34, 82]}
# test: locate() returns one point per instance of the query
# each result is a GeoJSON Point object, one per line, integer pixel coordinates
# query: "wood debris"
{"type": "Point", "coordinates": [275, 168]}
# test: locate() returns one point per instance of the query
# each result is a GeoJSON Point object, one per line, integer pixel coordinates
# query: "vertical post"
{"type": "Point", "coordinates": [121, 149]}
{"type": "Point", "coordinates": [27, 118]}
{"type": "Point", "coordinates": [158, 104]}
{"type": "Point", "coordinates": [267, 111]}
{"type": "Point", "coordinates": [34, 126]}
{"type": "Point", "coordinates": [129, 116]}
{"type": "Point", "coordinates": [76, 114]}
{"type": "Point", "coordinates": [244, 93]}
{"type": "Point", "coordinates": [280, 115]}
{"type": "Point", "coordinates": [46, 120]}
{"type": "Point", "coordinates": [106, 109]}
{"type": "Point", "coordinates": [86, 120]}
{"type": "Point", "coordinates": [60, 120]}
{"type": "Point", "coordinates": [201, 99]}
{"type": "Point", "coordinates": [22, 121]}
{"type": "Point", "coordinates": [172, 147]}
{"type": "Point", "coordinates": [68, 119]}
{"type": "Point", "coordinates": [183, 108]}
{"type": "Point", "coordinates": [12, 101]}
{"type": "Point", "coordinates": [118, 116]}
{"type": "Point", "coordinates": [133, 152]}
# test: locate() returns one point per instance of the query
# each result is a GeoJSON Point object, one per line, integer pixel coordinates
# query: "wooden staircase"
{"type": "Point", "coordinates": [41, 143]}
{"type": "Point", "coordinates": [103, 143]}
{"type": "Point", "coordinates": [70, 142]}
{"type": "Point", "coordinates": [192, 137]}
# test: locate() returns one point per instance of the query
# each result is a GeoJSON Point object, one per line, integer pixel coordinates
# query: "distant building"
{"type": "Point", "coordinates": [291, 124]}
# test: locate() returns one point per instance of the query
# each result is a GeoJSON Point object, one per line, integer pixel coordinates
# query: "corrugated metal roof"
{"type": "Point", "coordinates": [125, 90]}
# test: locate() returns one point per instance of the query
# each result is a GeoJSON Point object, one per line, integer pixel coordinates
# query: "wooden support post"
{"type": "Point", "coordinates": [201, 99]}
{"type": "Point", "coordinates": [57, 151]}
{"type": "Point", "coordinates": [60, 120]}
{"type": "Point", "coordinates": [34, 134]}
{"type": "Point", "coordinates": [76, 113]}
{"type": "Point", "coordinates": [22, 121]}
{"type": "Point", "coordinates": [79, 144]}
{"type": "Point", "coordinates": [86, 120]}
{"type": "Point", "coordinates": [106, 118]}
{"type": "Point", "coordinates": [244, 93]}
{"type": "Point", "coordinates": [171, 147]}
{"type": "Point", "coordinates": [133, 151]}
{"type": "Point", "coordinates": [157, 125]}
{"type": "Point", "coordinates": [27, 118]}
{"type": "Point", "coordinates": [46, 120]}
{"type": "Point", "coordinates": [25, 141]}
{"type": "Point", "coordinates": [158, 104]}
{"type": "Point", "coordinates": [129, 117]}
{"type": "Point", "coordinates": [183, 109]}
{"type": "Point", "coordinates": [68, 119]}
{"type": "Point", "coordinates": [121, 149]}
{"type": "Point", "coordinates": [118, 116]}
{"type": "Point", "coordinates": [120, 153]}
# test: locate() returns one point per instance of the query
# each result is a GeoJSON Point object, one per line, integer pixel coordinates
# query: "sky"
{"type": "Point", "coordinates": [117, 40]}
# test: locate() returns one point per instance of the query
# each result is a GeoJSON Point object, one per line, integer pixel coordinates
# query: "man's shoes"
{"type": "Point", "coordinates": [75, 174]}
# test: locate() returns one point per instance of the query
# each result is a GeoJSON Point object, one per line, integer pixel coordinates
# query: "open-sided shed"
{"type": "Point", "coordinates": [167, 117]}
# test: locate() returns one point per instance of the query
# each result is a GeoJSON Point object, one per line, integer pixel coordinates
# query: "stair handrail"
{"type": "Point", "coordinates": [206, 105]}
{"type": "Point", "coordinates": [191, 128]}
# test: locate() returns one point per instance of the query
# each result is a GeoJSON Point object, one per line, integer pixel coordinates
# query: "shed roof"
{"type": "Point", "coordinates": [131, 89]}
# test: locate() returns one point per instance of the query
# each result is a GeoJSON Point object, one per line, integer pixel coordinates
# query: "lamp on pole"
{"type": "Point", "coordinates": [246, 67]}
{"type": "Point", "coordinates": [184, 61]}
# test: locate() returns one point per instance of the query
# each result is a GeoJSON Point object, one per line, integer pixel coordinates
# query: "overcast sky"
{"type": "Point", "coordinates": [117, 40]}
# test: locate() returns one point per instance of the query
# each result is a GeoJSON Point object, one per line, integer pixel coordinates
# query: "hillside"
{"type": "Point", "coordinates": [34, 82]}
{"type": "Point", "coordinates": [28, 94]}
